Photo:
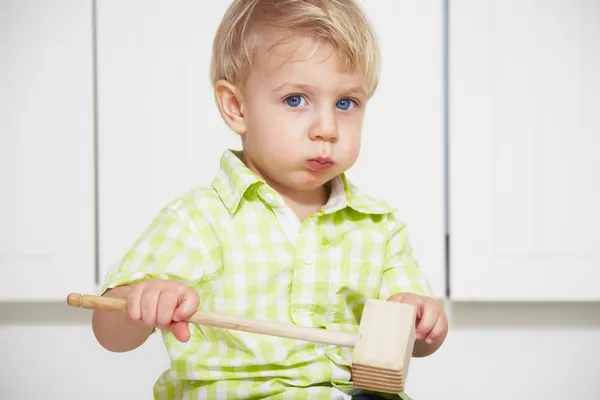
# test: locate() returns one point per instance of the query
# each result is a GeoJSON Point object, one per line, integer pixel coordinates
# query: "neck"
{"type": "Point", "coordinates": [303, 203]}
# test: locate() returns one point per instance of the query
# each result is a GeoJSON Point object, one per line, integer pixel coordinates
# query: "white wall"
{"type": "Point", "coordinates": [516, 351]}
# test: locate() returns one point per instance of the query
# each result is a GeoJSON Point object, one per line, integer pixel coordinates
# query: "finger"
{"type": "Point", "coordinates": [181, 331]}
{"type": "Point", "coordinates": [427, 321]}
{"type": "Point", "coordinates": [417, 304]}
{"type": "Point", "coordinates": [419, 312]}
{"type": "Point", "coordinates": [133, 301]}
{"type": "Point", "coordinates": [396, 297]}
{"type": "Point", "coordinates": [167, 302]}
{"type": "Point", "coordinates": [148, 304]}
{"type": "Point", "coordinates": [188, 305]}
{"type": "Point", "coordinates": [407, 298]}
{"type": "Point", "coordinates": [439, 329]}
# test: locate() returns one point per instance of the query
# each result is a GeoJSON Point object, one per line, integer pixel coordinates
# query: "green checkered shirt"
{"type": "Point", "coordinates": [239, 246]}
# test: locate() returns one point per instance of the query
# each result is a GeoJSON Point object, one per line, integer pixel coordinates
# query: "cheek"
{"type": "Point", "coordinates": [255, 116]}
{"type": "Point", "coordinates": [265, 116]}
{"type": "Point", "coordinates": [354, 149]}
{"type": "Point", "coordinates": [352, 133]}
{"type": "Point", "coordinates": [268, 133]}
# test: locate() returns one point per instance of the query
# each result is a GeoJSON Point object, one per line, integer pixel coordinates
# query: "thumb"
{"type": "Point", "coordinates": [410, 299]}
{"type": "Point", "coordinates": [187, 305]}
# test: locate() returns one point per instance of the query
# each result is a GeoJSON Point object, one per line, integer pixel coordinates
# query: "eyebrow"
{"type": "Point", "coordinates": [310, 88]}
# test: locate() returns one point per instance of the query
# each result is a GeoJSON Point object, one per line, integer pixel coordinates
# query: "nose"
{"type": "Point", "coordinates": [325, 127]}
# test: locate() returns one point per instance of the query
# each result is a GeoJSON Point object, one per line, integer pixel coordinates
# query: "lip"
{"type": "Point", "coordinates": [320, 164]}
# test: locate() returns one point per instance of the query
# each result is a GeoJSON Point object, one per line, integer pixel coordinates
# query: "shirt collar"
{"type": "Point", "coordinates": [346, 194]}
{"type": "Point", "coordinates": [233, 180]}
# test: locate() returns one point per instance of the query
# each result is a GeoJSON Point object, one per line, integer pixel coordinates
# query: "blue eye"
{"type": "Point", "coordinates": [345, 104]}
{"type": "Point", "coordinates": [295, 101]}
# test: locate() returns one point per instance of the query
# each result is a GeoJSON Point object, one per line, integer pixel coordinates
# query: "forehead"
{"type": "Point", "coordinates": [282, 56]}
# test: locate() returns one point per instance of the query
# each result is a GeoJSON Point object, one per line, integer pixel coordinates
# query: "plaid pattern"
{"type": "Point", "coordinates": [227, 243]}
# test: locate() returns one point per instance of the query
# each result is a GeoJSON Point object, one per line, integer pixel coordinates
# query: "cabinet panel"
{"type": "Point", "coordinates": [524, 173]}
{"type": "Point", "coordinates": [161, 133]}
{"type": "Point", "coordinates": [402, 155]}
{"type": "Point", "coordinates": [46, 149]}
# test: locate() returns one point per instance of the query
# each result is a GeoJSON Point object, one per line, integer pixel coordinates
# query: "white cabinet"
{"type": "Point", "coordinates": [402, 155]}
{"type": "Point", "coordinates": [46, 149]}
{"type": "Point", "coordinates": [523, 124]}
{"type": "Point", "coordinates": [524, 145]}
{"type": "Point", "coordinates": [160, 132]}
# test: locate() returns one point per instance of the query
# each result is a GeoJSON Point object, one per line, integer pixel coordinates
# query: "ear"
{"type": "Point", "coordinates": [231, 105]}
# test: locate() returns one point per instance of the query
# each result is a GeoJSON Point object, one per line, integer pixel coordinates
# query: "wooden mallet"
{"type": "Point", "coordinates": [382, 348]}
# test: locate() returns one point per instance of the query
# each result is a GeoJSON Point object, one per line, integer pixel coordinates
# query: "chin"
{"type": "Point", "coordinates": [311, 181]}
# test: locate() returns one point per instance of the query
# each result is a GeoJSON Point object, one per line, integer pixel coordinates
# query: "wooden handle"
{"type": "Point", "coordinates": [228, 322]}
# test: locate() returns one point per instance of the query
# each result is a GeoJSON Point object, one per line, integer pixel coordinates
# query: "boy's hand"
{"type": "Point", "coordinates": [163, 304]}
{"type": "Point", "coordinates": [432, 323]}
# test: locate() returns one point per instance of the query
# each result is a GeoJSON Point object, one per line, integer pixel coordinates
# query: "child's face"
{"type": "Point", "coordinates": [302, 115]}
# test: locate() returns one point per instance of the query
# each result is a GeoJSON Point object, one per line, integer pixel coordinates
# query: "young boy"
{"type": "Point", "coordinates": [280, 234]}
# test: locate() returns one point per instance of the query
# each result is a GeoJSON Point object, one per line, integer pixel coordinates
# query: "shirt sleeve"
{"type": "Point", "coordinates": [173, 247]}
{"type": "Point", "coordinates": [401, 272]}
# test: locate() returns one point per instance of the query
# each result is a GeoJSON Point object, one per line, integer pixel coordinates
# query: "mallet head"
{"type": "Point", "coordinates": [384, 346]}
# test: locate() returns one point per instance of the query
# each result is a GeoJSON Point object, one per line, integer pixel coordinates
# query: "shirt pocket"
{"type": "Point", "coordinates": [354, 264]}
{"type": "Point", "coordinates": [359, 279]}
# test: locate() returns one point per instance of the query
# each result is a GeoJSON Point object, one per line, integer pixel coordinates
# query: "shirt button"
{"type": "Point", "coordinates": [309, 259]}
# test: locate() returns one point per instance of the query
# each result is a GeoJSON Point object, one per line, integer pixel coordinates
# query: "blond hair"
{"type": "Point", "coordinates": [340, 23]}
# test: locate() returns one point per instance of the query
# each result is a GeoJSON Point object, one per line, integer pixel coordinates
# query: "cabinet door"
{"type": "Point", "coordinates": [46, 149]}
{"type": "Point", "coordinates": [161, 133]}
{"type": "Point", "coordinates": [402, 154]}
{"type": "Point", "coordinates": [524, 142]}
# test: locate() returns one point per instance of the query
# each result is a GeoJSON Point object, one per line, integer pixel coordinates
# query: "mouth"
{"type": "Point", "coordinates": [320, 164]}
